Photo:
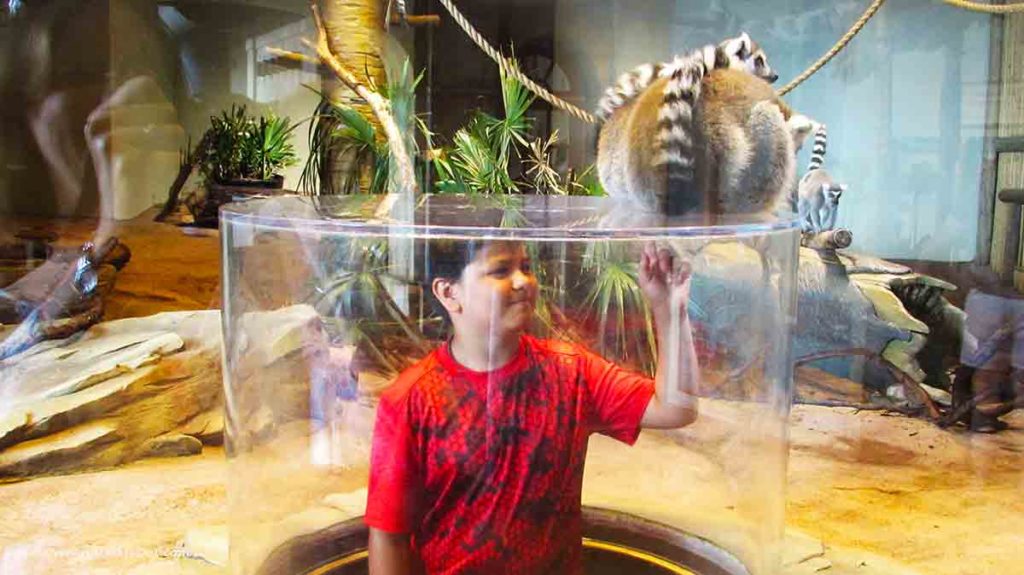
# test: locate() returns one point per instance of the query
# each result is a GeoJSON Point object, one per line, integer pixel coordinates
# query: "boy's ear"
{"type": "Point", "coordinates": [447, 292]}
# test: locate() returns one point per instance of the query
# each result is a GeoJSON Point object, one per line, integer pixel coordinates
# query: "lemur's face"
{"type": "Point", "coordinates": [745, 54]}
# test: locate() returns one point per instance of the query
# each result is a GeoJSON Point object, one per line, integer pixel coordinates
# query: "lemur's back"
{"type": "Point", "coordinates": [751, 155]}
{"type": "Point", "coordinates": [733, 147]}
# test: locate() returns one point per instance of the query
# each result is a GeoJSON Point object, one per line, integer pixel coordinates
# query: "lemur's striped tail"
{"type": "Point", "coordinates": [630, 84]}
{"type": "Point", "coordinates": [675, 117]}
{"type": "Point", "coordinates": [675, 125]}
{"type": "Point", "coordinates": [818, 152]}
{"type": "Point", "coordinates": [626, 88]}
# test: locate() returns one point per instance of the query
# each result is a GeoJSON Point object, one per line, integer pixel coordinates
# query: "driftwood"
{"type": "Point", "coordinates": [911, 386]}
{"type": "Point", "coordinates": [827, 240]}
{"type": "Point", "coordinates": [187, 167]}
{"type": "Point", "coordinates": [61, 297]}
{"type": "Point", "coordinates": [414, 20]}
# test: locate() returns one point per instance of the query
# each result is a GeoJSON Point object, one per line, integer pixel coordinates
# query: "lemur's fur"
{"type": "Point", "coordinates": [704, 132]}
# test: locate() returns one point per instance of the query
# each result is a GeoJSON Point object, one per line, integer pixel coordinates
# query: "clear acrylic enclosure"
{"type": "Point", "coordinates": [328, 300]}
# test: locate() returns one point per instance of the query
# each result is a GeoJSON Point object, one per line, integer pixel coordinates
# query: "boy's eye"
{"type": "Point", "coordinates": [499, 271]}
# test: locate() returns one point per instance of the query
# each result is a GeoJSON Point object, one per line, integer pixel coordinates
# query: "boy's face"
{"type": "Point", "coordinates": [496, 294]}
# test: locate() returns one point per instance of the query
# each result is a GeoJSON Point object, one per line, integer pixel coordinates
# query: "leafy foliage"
{"type": "Point", "coordinates": [241, 147]}
{"type": "Point", "coordinates": [477, 159]}
{"type": "Point", "coordinates": [615, 301]}
{"type": "Point", "coordinates": [545, 178]}
{"type": "Point", "coordinates": [341, 129]}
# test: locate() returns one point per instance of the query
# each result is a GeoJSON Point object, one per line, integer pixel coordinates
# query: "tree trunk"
{"type": "Point", "coordinates": [355, 30]}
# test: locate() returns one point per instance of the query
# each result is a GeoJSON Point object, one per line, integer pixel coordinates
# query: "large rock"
{"type": "Point", "coordinates": [141, 387]}
{"type": "Point", "coordinates": [101, 398]}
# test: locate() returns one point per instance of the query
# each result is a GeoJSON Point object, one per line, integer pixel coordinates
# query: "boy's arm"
{"type": "Point", "coordinates": [677, 380]}
{"type": "Point", "coordinates": [390, 553]}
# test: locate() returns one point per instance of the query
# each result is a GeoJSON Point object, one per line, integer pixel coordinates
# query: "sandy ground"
{"type": "Point", "coordinates": [884, 494]}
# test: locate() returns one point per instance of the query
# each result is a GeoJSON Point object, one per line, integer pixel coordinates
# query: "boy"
{"type": "Point", "coordinates": [478, 449]}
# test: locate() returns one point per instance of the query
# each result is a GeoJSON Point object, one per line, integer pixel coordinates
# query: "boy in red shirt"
{"type": "Point", "coordinates": [479, 448]}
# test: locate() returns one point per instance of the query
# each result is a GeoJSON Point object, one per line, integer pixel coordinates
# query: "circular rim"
{"type": "Point", "coordinates": [604, 529]}
{"type": "Point", "coordinates": [588, 543]}
{"type": "Point", "coordinates": [370, 216]}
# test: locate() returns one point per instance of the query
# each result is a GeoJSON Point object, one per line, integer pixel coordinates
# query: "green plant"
{"type": "Point", "coordinates": [340, 129]}
{"type": "Point", "coordinates": [615, 301]}
{"type": "Point", "coordinates": [585, 183]}
{"type": "Point", "coordinates": [478, 160]}
{"type": "Point", "coordinates": [241, 147]}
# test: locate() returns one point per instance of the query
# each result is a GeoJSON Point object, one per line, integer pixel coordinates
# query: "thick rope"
{"type": "Point", "coordinates": [510, 69]}
{"type": "Point", "coordinates": [835, 49]}
{"type": "Point", "coordinates": [987, 8]}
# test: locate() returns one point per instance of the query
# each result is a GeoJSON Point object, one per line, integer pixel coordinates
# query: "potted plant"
{"type": "Point", "coordinates": [240, 157]}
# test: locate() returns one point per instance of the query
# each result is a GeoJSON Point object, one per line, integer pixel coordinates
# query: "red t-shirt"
{"type": "Point", "coordinates": [485, 469]}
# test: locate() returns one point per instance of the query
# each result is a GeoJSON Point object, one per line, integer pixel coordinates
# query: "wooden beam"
{"type": "Point", "coordinates": [294, 61]}
{"type": "Point", "coordinates": [1012, 196]}
{"type": "Point", "coordinates": [416, 20]}
{"type": "Point", "coordinates": [1009, 144]}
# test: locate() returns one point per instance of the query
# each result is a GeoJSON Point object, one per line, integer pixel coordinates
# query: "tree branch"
{"type": "Point", "coordinates": [381, 108]}
{"type": "Point", "coordinates": [905, 380]}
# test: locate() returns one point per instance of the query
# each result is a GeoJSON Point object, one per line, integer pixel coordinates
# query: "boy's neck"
{"type": "Point", "coordinates": [484, 354]}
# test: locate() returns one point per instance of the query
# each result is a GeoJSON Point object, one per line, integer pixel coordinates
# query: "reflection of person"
{"type": "Point", "coordinates": [993, 350]}
{"type": "Point", "coordinates": [62, 83]}
{"type": "Point", "coordinates": [90, 136]}
{"type": "Point", "coordinates": [478, 449]}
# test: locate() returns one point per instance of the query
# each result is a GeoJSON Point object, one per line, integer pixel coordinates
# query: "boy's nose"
{"type": "Point", "coordinates": [521, 279]}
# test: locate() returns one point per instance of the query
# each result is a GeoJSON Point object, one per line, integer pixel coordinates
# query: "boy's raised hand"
{"type": "Point", "coordinates": [665, 285]}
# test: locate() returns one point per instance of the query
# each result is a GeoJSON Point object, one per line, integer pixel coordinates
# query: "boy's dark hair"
{"type": "Point", "coordinates": [445, 258]}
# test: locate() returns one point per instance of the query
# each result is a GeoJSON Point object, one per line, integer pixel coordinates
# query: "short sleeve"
{"type": "Point", "coordinates": [395, 482]}
{"type": "Point", "coordinates": [619, 398]}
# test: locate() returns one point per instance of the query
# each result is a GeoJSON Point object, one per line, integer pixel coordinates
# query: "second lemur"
{"type": "Point", "coordinates": [705, 133]}
{"type": "Point", "coordinates": [818, 193]}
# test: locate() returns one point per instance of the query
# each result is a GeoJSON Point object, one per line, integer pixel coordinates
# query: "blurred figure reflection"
{"type": "Point", "coordinates": [89, 130]}
{"type": "Point", "coordinates": [989, 382]}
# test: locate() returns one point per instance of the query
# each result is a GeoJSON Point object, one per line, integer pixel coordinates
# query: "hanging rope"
{"type": "Point", "coordinates": [509, 68]}
{"type": "Point", "coordinates": [835, 49]}
{"type": "Point", "coordinates": [987, 8]}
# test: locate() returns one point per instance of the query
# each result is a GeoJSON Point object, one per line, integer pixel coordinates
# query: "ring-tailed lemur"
{"type": "Point", "coordinates": [739, 52]}
{"type": "Point", "coordinates": [705, 131]}
{"type": "Point", "coordinates": [818, 193]}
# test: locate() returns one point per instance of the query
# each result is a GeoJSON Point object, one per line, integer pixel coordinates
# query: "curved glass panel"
{"type": "Point", "coordinates": [349, 395]}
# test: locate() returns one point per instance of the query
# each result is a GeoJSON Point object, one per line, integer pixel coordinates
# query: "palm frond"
{"type": "Point", "coordinates": [613, 298]}
{"type": "Point", "coordinates": [344, 130]}
{"type": "Point", "coordinates": [545, 178]}
{"type": "Point", "coordinates": [517, 100]}
{"type": "Point", "coordinates": [479, 168]}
